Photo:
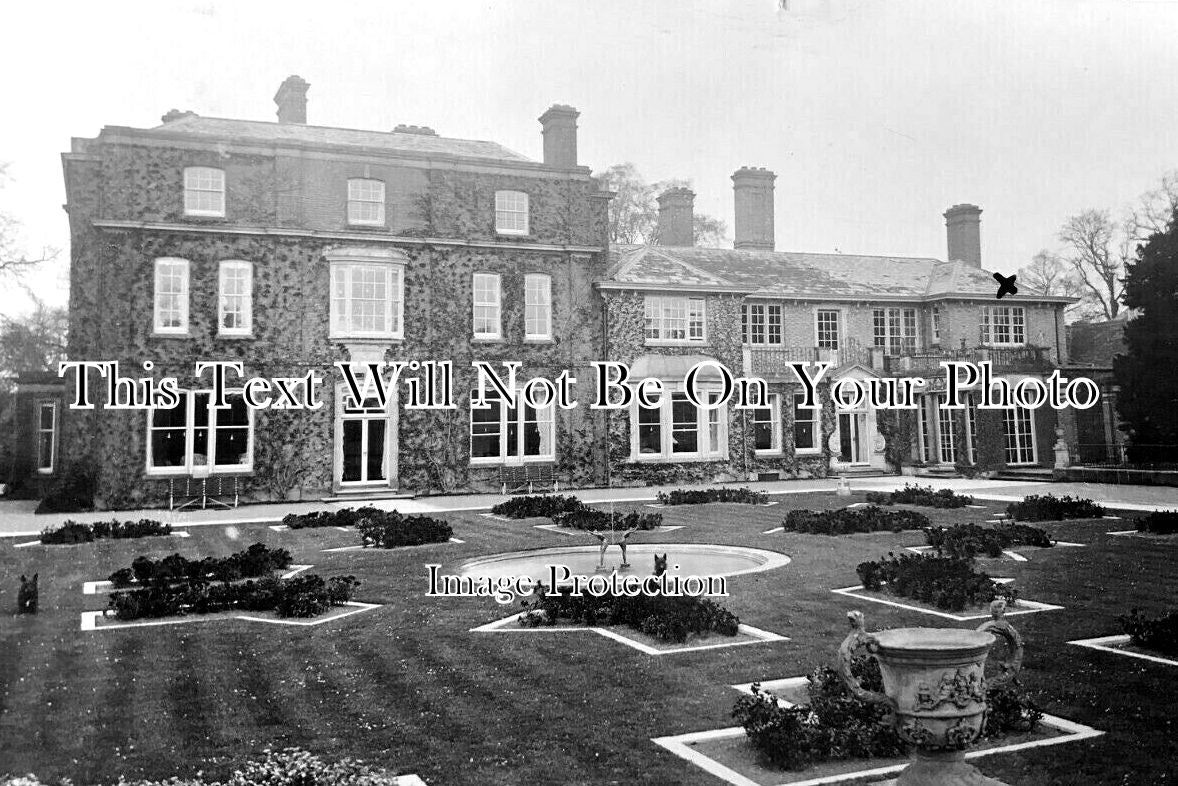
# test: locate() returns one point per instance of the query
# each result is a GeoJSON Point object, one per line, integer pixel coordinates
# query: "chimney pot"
{"type": "Point", "coordinates": [964, 234]}
{"type": "Point", "coordinates": [292, 100]}
{"type": "Point", "coordinates": [676, 217]}
{"type": "Point", "coordinates": [559, 124]}
{"type": "Point", "coordinates": [752, 189]}
{"type": "Point", "coordinates": [176, 114]}
{"type": "Point", "coordinates": [420, 130]}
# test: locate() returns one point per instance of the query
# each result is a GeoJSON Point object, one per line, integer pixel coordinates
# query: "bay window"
{"type": "Point", "coordinates": [677, 429]}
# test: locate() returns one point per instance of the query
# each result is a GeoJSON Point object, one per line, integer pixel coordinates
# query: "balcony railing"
{"type": "Point", "coordinates": [773, 362]}
{"type": "Point", "coordinates": [1004, 359]}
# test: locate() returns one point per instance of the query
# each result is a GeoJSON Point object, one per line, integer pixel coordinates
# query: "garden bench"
{"type": "Point", "coordinates": [528, 477]}
{"type": "Point", "coordinates": [208, 490]}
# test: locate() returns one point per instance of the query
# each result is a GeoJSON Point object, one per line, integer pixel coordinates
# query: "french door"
{"type": "Point", "coordinates": [365, 447]}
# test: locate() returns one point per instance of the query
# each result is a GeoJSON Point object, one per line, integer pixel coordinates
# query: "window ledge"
{"type": "Point", "coordinates": [548, 340]}
{"type": "Point", "coordinates": [489, 339]}
{"type": "Point", "coordinates": [236, 336]}
{"type": "Point", "coordinates": [650, 342]}
{"type": "Point", "coordinates": [679, 458]}
{"type": "Point", "coordinates": [511, 233]}
{"type": "Point", "coordinates": [367, 338]}
{"type": "Point", "coordinates": [158, 334]}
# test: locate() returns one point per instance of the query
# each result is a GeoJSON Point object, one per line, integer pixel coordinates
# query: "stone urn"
{"type": "Point", "coordinates": [935, 686]}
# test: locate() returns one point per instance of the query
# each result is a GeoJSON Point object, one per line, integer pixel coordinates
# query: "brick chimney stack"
{"type": "Point", "coordinates": [753, 191]}
{"type": "Point", "coordinates": [560, 136]}
{"type": "Point", "coordinates": [676, 217]}
{"type": "Point", "coordinates": [292, 100]}
{"type": "Point", "coordinates": [963, 225]}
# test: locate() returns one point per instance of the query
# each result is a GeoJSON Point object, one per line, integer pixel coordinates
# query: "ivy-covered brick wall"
{"type": "Point", "coordinates": [111, 307]}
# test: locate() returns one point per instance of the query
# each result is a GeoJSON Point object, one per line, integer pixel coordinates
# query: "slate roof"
{"type": "Point", "coordinates": [790, 274]}
{"type": "Point", "coordinates": [296, 133]}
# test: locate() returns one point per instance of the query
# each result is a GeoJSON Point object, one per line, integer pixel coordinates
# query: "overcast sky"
{"type": "Point", "coordinates": [876, 115]}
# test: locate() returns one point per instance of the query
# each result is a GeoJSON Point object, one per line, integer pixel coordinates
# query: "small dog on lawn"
{"type": "Point", "coordinates": [660, 564]}
{"type": "Point", "coordinates": [26, 597]}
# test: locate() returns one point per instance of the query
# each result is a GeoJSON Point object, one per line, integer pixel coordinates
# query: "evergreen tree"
{"type": "Point", "coordinates": [1148, 397]}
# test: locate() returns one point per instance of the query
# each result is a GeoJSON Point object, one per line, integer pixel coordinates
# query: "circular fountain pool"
{"type": "Point", "coordinates": [683, 559]}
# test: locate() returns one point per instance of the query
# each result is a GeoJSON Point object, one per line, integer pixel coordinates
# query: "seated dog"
{"type": "Point", "coordinates": [660, 564]}
{"type": "Point", "coordinates": [26, 597]}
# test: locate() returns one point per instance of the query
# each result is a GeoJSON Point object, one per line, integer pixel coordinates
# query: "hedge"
{"type": "Point", "coordinates": [254, 562]}
{"type": "Point", "coordinates": [537, 506]}
{"type": "Point", "coordinates": [302, 596]}
{"type": "Point", "coordinates": [702, 496]}
{"type": "Point", "coordinates": [592, 519]}
{"type": "Point", "coordinates": [1159, 522]}
{"type": "Point", "coordinates": [844, 521]}
{"type": "Point", "coordinates": [948, 583]}
{"type": "Point", "coordinates": [835, 726]}
{"type": "Point", "coordinates": [345, 517]}
{"type": "Point", "coordinates": [913, 494]}
{"type": "Point", "coordinates": [1051, 508]}
{"type": "Point", "coordinates": [393, 530]}
{"type": "Point", "coordinates": [1158, 633]}
{"type": "Point", "coordinates": [966, 541]}
{"type": "Point", "coordinates": [74, 532]}
{"type": "Point", "coordinates": [665, 617]}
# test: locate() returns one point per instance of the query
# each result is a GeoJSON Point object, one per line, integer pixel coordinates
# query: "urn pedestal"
{"type": "Point", "coordinates": [935, 686]}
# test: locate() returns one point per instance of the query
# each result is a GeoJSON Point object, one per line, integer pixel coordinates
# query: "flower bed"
{"type": "Point", "coordinates": [913, 494]}
{"type": "Point", "coordinates": [537, 506]}
{"type": "Point", "coordinates": [702, 496]}
{"type": "Point", "coordinates": [1047, 507]}
{"type": "Point", "coordinates": [1159, 522]}
{"type": "Point", "coordinates": [279, 768]}
{"type": "Point", "coordinates": [667, 618]}
{"type": "Point", "coordinates": [593, 519]}
{"type": "Point", "coordinates": [392, 529]}
{"type": "Point", "coordinates": [966, 541]}
{"type": "Point", "coordinates": [254, 562]}
{"type": "Point", "coordinates": [347, 517]}
{"type": "Point", "coordinates": [848, 520]}
{"type": "Point", "coordinates": [74, 532]}
{"type": "Point", "coordinates": [834, 725]}
{"type": "Point", "coordinates": [1159, 633]}
{"type": "Point", "coordinates": [947, 583]}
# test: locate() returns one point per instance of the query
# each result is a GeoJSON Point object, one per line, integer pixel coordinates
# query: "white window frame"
{"type": "Point", "coordinates": [343, 272]}
{"type": "Point", "coordinates": [936, 324]}
{"type": "Point", "coordinates": [774, 422]}
{"type": "Point", "coordinates": [492, 302]}
{"type": "Point", "coordinates": [946, 432]}
{"type": "Point", "coordinates": [816, 420]}
{"type": "Point", "coordinates": [43, 467]}
{"type": "Point", "coordinates": [200, 181]}
{"type": "Point", "coordinates": [897, 339]}
{"type": "Point", "coordinates": [168, 265]}
{"type": "Point", "coordinates": [189, 399]}
{"type": "Point", "coordinates": [537, 307]}
{"type": "Point", "coordinates": [1014, 324]}
{"type": "Point", "coordinates": [769, 318]}
{"type": "Point", "coordinates": [818, 328]}
{"type": "Point", "coordinates": [360, 198]}
{"type": "Point", "coordinates": [710, 427]}
{"type": "Point", "coordinates": [545, 421]}
{"type": "Point", "coordinates": [512, 212]}
{"type": "Point", "coordinates": [1018, 442]}
{"type": "Point", "coordinates": [245, 298]}
{"type": "Point", "coordinates": [661, 316]}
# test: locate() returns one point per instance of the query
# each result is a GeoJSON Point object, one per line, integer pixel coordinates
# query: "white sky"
{"type": "Point", "coordinates": [876, 115]}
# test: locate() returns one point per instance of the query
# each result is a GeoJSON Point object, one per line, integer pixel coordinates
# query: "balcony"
{"type": "Point", "coordinates": [772, 363]}
{"type": "Point", "coordinates": [1004, 359]}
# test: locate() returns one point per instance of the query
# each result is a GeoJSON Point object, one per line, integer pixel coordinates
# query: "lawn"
{"type": "Point", "coordinates": [409, 688]}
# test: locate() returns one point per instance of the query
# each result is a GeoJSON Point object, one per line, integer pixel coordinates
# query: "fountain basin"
{"type": "Point", "coordinates": [692, 559]}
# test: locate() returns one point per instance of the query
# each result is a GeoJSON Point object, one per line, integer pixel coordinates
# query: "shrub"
{"type": "Point", "coordinates": [1159, 633]}
{"type": "Point", "coordinates": [345, 517]}
{"type": "Point", "coordinates": [701, 496]}
{"type": "Point", "coordinates": [593, 519]}
{"type": "Point", "coordinates": [948, 583]}
{"type": "Point", "coordinates": [834, 725]}
{"type": "Point", "coordinates": [391, 529]}
{"type": "Point", "coordinates": [538, 506]}
{"type": "Point", "coordinates": [665, 617]}
{"type": "Point", "coordinates": [74, 532]}
{"type": "Point", "coordinates": [304, 596]}
{"type": "Point", "coordinates": [1159, 522]}
{"type": "Point", "coordinates": [73, 491]}
{"type": "Point", "coordinates": [913, 494]}
{"type": "Point", "coordinates": [257, 560]}
{"type": "Point", "coordinates": [847, 520]}
{"type": "Point", "coordinates": [966, 541]}
{"type": "Point", "coordinates": [1051, 508]}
